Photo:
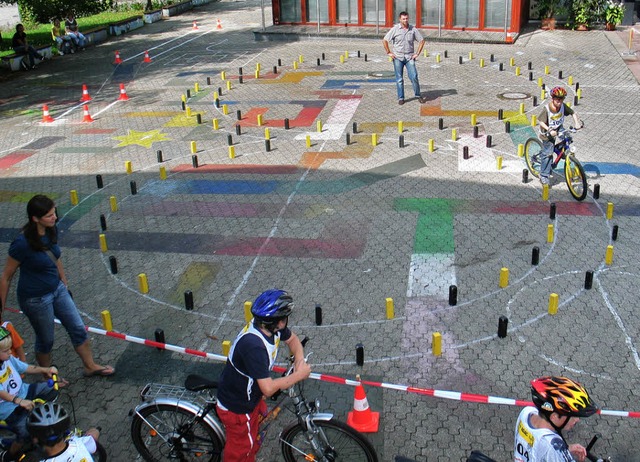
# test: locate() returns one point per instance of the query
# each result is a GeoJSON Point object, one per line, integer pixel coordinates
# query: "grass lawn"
{"type": "Point", "coordinates": [41, 35]}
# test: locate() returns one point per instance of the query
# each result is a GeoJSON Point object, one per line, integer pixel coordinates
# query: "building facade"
{"type": "Point", "coordinates": [484, 15]}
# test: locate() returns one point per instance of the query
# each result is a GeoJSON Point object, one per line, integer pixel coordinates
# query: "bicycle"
{"type": "Point", "coordinates": [563, 150]}
{"type": "Point", "coordinates": [32, 451]}
{"type": "Point", "coordinates": [477, 456]}
{"type": "Point", "coordinates": [180, 423]}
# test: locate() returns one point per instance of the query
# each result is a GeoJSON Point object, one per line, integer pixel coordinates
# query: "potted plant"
{"type": "Point", "coordinates": [613, 14]}
{"type": "Point", "coordinates": [548, 10]}
{"type": "Point", "coordinates": [582, 13]}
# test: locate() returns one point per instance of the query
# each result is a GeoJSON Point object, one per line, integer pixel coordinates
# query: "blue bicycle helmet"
{"type": "Point", "coordinates": [271, 306]}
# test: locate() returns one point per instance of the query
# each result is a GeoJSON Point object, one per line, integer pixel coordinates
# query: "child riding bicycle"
{"type": "Point", "coordinates": [559, 404]}
{"type": "Point", "coordinates": [16, 397]}
{"type": "Point", "coordinates": [550, 122]}
{"type": "Point", "coordinates": [49, 425]}
{"type": "Point", "coordinates": [246, 378]}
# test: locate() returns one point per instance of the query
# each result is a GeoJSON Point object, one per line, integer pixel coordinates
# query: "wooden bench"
{"type": "Point", "coordinates": [13, 61]}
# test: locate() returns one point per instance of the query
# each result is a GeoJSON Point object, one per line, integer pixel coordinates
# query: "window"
{"type": "Point", "coordinates": [431, 11]}
{"type": "Point", "coordinates": [494, 14]}
{"type": "Point", "coordinates": [370, 7]}
{"type": "Point", "coordinates": [312, 11]}
{"type": "Point", "coordinates": [347, 11]}
{"type": "Point", "coordinates": [466, 13]}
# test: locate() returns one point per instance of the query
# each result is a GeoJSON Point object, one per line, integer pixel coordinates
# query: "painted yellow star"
{"type": "Point", "coordinates": [145, 139]}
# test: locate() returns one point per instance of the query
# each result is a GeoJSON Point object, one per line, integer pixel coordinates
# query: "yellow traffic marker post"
{"type": "Point", "coordinates": [308, 140]}
{"type": "Point", "coordinates": [187, 110]}
{"type": "Point", "coordinates": [341, 59]}
{"type": "Point", "coordinates": [267, 134]}
{"type": "Point", "coordinates": [534, 120]}
{"type": "Point", "coordinates": [74, 197]}
{"type": "Point", "coordinates": [374, 139]}
{"type": "Point", "coordinates": [608, 256]}
{"type": "Point", "coordinates": [216, 124]}
{"type": "Point", "coordinates": [540, 81]}
{"type": "Point", "coordinates": [400, 126]}
{"type": "Point", "coordinates": [226, 347]}
{"type": "Point", "coordinates": [504, 277]}
{"type": "Point", "coordinates": [550, 233]}
{"type": "Point", "coordinates": [438, 59]}
{"type": "Point", "coordinates": [319, 126]}
{"type": "Point", "coordinates": [259, 120]}
{"type": "Point", "coordinates": [163, 173]}
{"type": "Point", "coordinates": [225, 109]}
{"type": "Point", "coordinates": [481, 62]}
{"type": "Point", "coordinates": [232, 152]}
{"type": "Point", "coordinates": [390, 309]}
{"type": "Point", "coordinates": [143, 283]}
{"type": "Point", "coordinates": [517, 71]}
{"type": "Point", "coordinates": [196, 87]}
{"type": "Point", "coordinates": [499, 162]}
{"type": "Point", "coordinates": [128, 167]}
{"type": "Point", "coordinates": [473, 120]}
{"type": "Point", "coordinates": [301, 59]}
{"type": "Point", "coordinates": [295, 65]}
{"type": "Point", "coordinates": [223, 75]}
{"type": "Point", "coordinates": [184, 98]}
{"type": "Point", "coordinates": [193, 147]}
{"type": "Point", "coordinates": [432, 146]}
{"type": "Point", "coordinates": [454, 134]}
{"type": "Point", "coordinates": [106, 320]}
{"type": "Point", "coordinates": [228, 85]}
{"type": "Point", "coordinates": [114, 203]}
{"type": "Point", "coordinates": [470, 55]}
{"type": "Point", "coordinates": [257, 74]}
{"type": "Point", "coordinates": [247, 311]}
{"type": "Point", "coordinates": [258, 67]}
{"type": "Point", "coordinates": [346, 54]}
{"type": "Point", "coordinates": [520, 150]}
{"type": "Point", "coordinates": [103, 243]}
{"type": "Point", "coordinates": [546, 70]}
{"type": "Point", "coordinates": [436, 344]}
{"type": "Point", "coordinates": [570, 80]}
{"type": "Point", "coordinates": [553, 304]}
{"type": "Point", "coordinates": [609, 210]}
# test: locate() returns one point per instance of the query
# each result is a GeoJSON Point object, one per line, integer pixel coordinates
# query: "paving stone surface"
{"type": "Point", "coordinates": [345, 226]}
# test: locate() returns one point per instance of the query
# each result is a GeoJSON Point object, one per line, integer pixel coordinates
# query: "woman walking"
{"type": "Point", "coordinates": [42, 286]}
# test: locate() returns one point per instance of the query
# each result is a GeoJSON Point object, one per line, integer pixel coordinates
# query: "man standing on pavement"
{"type": "Point", "coordinates": [402, 36]}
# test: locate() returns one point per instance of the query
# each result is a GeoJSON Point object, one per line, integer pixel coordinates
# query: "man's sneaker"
{"type": "Point", "coordinates": [400, 102]}
{"type": "Point", "coordinates": [423, 99]}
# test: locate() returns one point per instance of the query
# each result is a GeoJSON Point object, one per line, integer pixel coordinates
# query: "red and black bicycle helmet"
{"type": "Point", "coordinates": [558, 92]}
{"type": "Point", "coordinates": [563, 396]}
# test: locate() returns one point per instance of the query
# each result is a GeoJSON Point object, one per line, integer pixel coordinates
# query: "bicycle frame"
{"type": "Point", "coordinates": [562, 149]}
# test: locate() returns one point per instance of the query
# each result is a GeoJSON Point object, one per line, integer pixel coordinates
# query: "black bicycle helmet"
{"type": "Point", "coordinates": [561, 395]}
{"type": "Point", "coordinates": [48, 422]}
{"type": "Point", "coordinates": [271, 306]}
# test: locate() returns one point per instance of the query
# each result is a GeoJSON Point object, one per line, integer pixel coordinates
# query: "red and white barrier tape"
{"type": "Point", "coordinates": [444, 394]}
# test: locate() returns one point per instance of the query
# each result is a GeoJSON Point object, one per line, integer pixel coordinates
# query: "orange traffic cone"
{"type": "Point", "coordinates": [87, 117]}
{"type": "Point", "coordinates": [46, 118]}
{"type": "Point", "coordinates": [362, 418]}
{"type": "Point", "coordinates": [195, 25]}
{"type": "Point", "coordinates": [147, 58]}
{"type": "Point", "coordinates": [118, 60]}
{"type": "Point", "coordinates": [123, 93]}
{"type": "Point", "coordinates": [219, 26]}
{"type": "Point", "coordinates": [85, 94]}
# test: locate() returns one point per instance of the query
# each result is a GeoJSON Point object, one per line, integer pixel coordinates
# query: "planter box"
{"type": "Point", "coordinates": [152, 16]}
{"type": "Point", "coordinates": [122, 27]}
{"type": "Point", "coordinates": [200, 2]}
{"type": "Point", "coordinates": [176, 9]}
{"type": "Point", "coordinates": [96, 36]}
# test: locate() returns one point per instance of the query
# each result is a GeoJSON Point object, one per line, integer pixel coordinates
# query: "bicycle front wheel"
{"type": "Point", "coordinates": [575, 177]}
{"type": "Point", "coordinates": [532, 150]}
{"type": "Point", "coordinates": [165, 432]}
{"type": "Point", "coordinates": [339, 442]}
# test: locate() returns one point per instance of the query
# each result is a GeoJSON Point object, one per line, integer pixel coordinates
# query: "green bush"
{"type": "Point", "coordinates": [42, 11]}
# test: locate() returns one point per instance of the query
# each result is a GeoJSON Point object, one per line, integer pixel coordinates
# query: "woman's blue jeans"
{"type": "Point", "coordinates": [412, 73]}
{"type": "Point", "coordinates": [41, 312]}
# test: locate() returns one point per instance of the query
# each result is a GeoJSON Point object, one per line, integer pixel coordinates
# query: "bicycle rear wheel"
{"type": "Point", "coordinates": [532, 150]}
{"type": "Point", "coordinates": [344, 443]}
{"type": "Point", "coordinates": [170, 434]}
{"type": "Point", "coordinates": [575, 177]}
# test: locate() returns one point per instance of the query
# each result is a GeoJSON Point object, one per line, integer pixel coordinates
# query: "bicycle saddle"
{"type": "Point", "coordinates": [196, 382]}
